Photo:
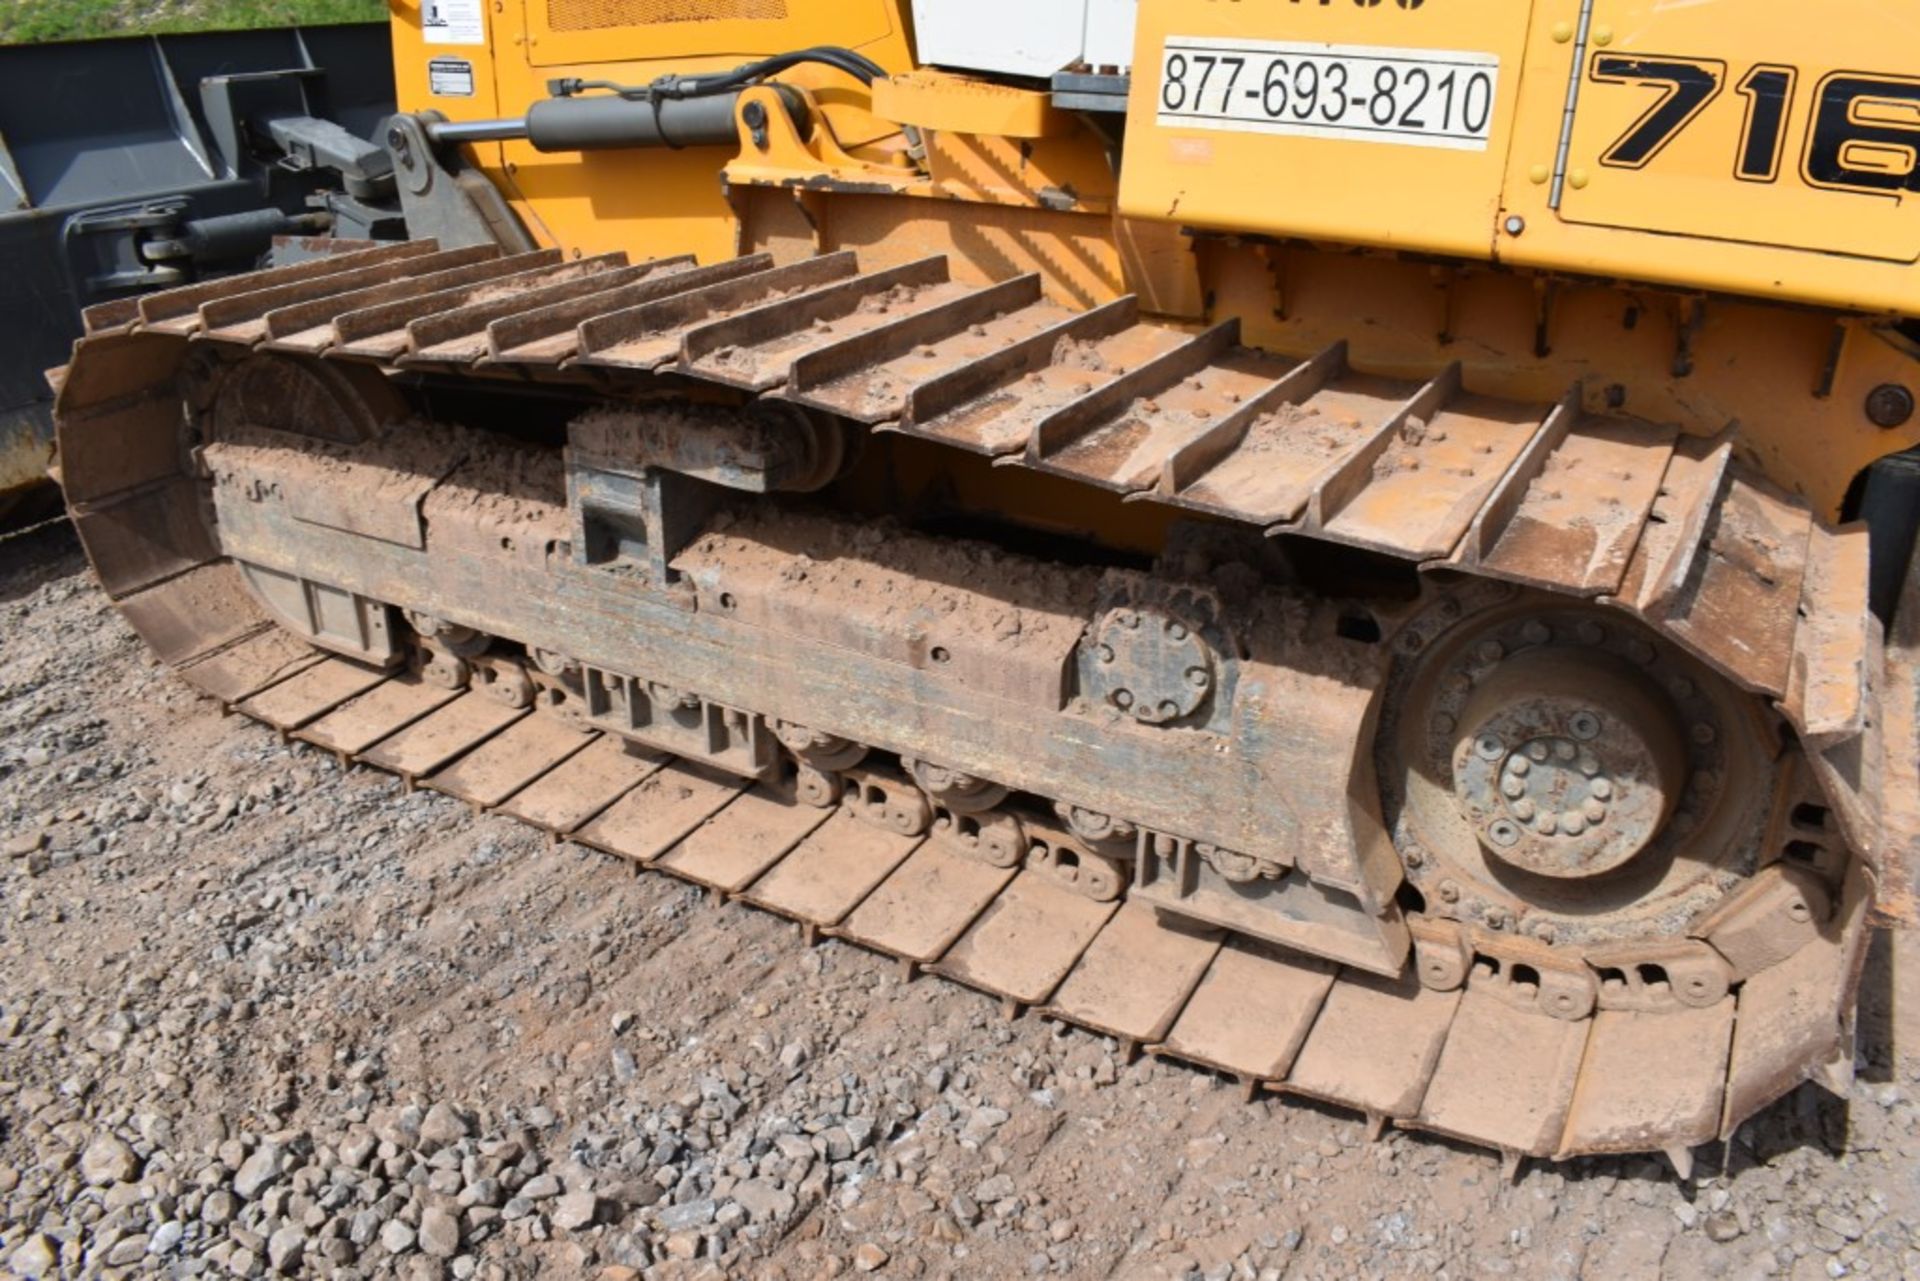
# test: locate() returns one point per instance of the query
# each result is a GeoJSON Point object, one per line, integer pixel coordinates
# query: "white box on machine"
{"type": "Point", "coordinates": [1024, 37]}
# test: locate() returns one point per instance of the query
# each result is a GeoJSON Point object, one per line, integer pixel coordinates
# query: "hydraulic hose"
{"type": "Point", "coordinates": [857, 65]}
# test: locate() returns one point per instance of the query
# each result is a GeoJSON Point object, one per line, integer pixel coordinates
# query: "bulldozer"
{"type": "Point", "coordinates": [1363, 547]}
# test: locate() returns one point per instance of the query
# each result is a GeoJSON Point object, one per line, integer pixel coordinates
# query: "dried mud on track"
{"type": "Point", "coordinates": [258, 1015]}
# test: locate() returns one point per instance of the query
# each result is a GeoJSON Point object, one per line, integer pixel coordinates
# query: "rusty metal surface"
{"type": "Point", "coordinates": [307, 326]}
{"type": "Point", "coordinates": [379, 713]}
{"type": "Point", "coordinates": [1250, 1014]}
{"type": "Point", "coordinates": [1027, 941]}
{"type": "Point", "coordinates": [431, 742]}
{"type": "Point", "coordinates": [1622, 1107]}
{"type": "Point", "coordinates": [202, 610]}
{"type": "Point", "coordinates": [458, 336]}
{"type": "Point", "coordinates": [1551, 497]}
{"type": "Point", "coordinates": [831, 871]}
{"type": "Point", "coordinates": [1374, 1045]}
{"type": "Point", "coordinates": [177, 311]}
{"type": "Point", "coordinates": [510, 760]}
{"type": "Point", "coordinates": [1417, 495]}
{"type": "Point", "coordinates": [757, 349]}
{"type": "Point", "coordinates": [379, 330]}
{"type": "Point", "coordinates": [1430, 473]}
{"type": "Point", "coordinates": [926, 904]}
{"type": "Point", "coordinates": [1737, 606]}
{"type": "Point", "coordinates": [1135, 977]}
{"type": "Point", "coordinates": [648, 821]}
{"type": "Point", "coordinates": [1794, 1022]}
{"type": "Point", "coordinates": [1569, 519]}
{"type": "Point", "coordinates": [648, 334]}
{"type": "Point", "coordinates": [1826, 695]}
{"type": "Point", "coordinates": [733, 848]}
{"type": "Point", "coordinates": [313, 693]}
{"type": "Point", "coordinates": [243, 318]}
{"type": "Point", "coordinates": [257, 663]}
{"type": "Point", "coordinates": [561, 801]}
{"type": "Point", "coordinates": [1505, 1076]}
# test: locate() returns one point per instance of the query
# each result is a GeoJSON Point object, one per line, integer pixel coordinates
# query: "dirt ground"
{"type": "Point", "coordinates": [260, 1015]}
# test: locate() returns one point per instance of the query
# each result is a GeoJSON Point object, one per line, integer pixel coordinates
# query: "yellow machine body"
{"type": "Point", "coordinates": [661, 201]}
{"type": "Point", "coordinates": [1755, 148]}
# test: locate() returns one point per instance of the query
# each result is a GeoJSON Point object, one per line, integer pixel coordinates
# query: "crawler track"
{"type": "Point", "coordinates": [1666, 528]}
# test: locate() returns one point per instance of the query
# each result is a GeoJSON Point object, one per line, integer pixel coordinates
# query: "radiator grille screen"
{"type": "Point", "coordinates": [598, 15]}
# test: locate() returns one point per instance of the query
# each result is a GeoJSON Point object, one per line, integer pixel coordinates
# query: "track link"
{"type": "Point", "coordinates": [1668, 528]}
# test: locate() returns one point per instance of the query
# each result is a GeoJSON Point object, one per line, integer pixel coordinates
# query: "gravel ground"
{"type": "Point", "coordinates": [261, 1016]}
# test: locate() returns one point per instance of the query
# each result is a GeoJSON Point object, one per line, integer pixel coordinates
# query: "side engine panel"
{"type": "Point", "coordinates": [474, 60]}
{"type": "Point", "coordinates": [1772, 155]}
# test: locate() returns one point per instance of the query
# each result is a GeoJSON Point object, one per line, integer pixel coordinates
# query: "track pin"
{"type": "Point", "coordinates": [809, 933]}
{"type": "Point", "coordinates": [1376, 1126]}
{"type": "Point", "coordinates": [1249, 1088]}
{"type": "Point", "coordinates": [1129, 1051]}
{"type": "Point", "coordinates": [1510, 1162]}
{"type": "Point", "coordinates": [1010, 1009]}
{"type": "Point", "coordinates": [907, 969]}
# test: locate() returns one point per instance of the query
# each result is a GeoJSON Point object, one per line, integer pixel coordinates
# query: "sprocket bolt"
{"type": "Point", "coordinates": [1584, 725]}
